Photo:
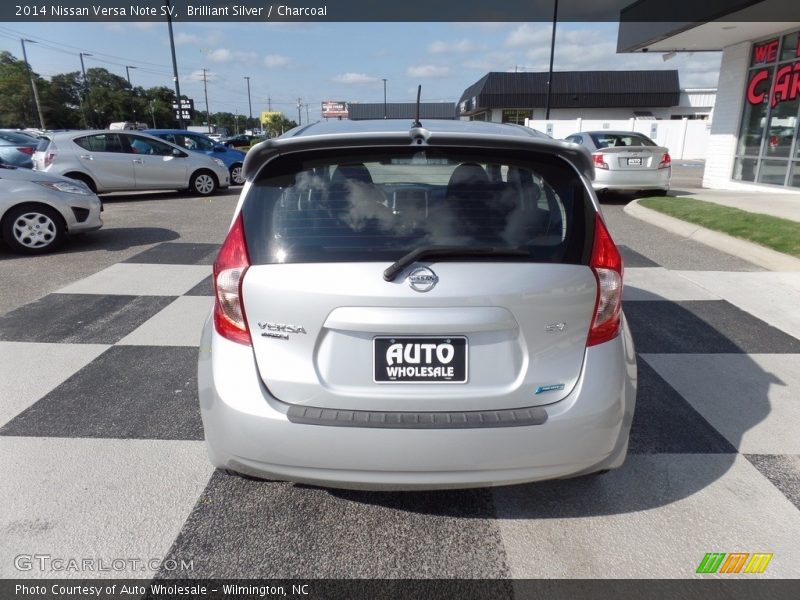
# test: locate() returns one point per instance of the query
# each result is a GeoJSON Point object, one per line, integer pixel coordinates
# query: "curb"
{"type": "Point", "coordinates": [753, 253]}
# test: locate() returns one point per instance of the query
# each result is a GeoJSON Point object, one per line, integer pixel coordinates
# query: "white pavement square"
{"type": "Point", "coordinates": [751, 399]}
{"type": "Point", "coordinates": [96, 499]}
{"type": "Point", "coordinates": [28, 371]}
{"type": "Point", "coordinates": [658, 283]}
{"type": "Point", "coordinates": [141, 280]}
{"type": "Point", "coordinates": [773, 297]}
{"type": "Point", "coordinates": [179, 324]}
{"type": "Point", "coordinates": [656, 517]}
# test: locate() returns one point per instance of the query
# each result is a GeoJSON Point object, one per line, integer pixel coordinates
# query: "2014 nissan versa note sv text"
{"type": "Point", "coordinates": [417, 306]}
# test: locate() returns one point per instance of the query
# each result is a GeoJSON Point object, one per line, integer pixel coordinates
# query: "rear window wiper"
{"type": "Point", "coordinates": [448, 251]}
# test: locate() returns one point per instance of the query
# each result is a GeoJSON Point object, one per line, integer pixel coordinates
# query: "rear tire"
{"type": "Point", "coordinates": [203, 183]}
{"type": "Point", "coordinates": [33, 229]}
{"type": "Point", "coordinates": [85, 179]}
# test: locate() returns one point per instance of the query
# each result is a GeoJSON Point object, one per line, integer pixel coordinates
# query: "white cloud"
{"type": "Point", "coordinates": [427, 71]}
{"type": "Point", "coordinates": [529, 35]}
{"type": "Point", "coordinates": [355, 78]}
{"type": "Point", "coordinates": [462, 46]}
{"type": "Point", "coordinates": [198, 75]}
{"type": "Point", "coordinates": [276, 61]}
{"type": "Point", "coordinates": [220, 55]}
{"type": "Point", "coordinates": [182, 39]}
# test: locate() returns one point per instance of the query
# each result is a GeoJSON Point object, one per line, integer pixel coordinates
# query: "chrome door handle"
{"type": "Point", "coordinates": [87, 156]}
{"type": "Point", "coordinates": [138, 161]}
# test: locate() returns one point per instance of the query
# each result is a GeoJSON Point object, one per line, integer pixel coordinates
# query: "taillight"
{"type": "Point", "coordinates": [665, 161]}
{"type": "Point", "coordinates": [599, 161]}
{"type": "Point", "coordinates": [606, 263]}
{"type": "Point", "coordinates": [48, 159]}
{"type": "Point", "coordinates": [230, 320]}
{"type": "Point", "coordinates": [773, 141]}
{"type": "Point", "coordinates": [26, 150]}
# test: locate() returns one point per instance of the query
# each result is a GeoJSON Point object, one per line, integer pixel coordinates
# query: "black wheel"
{"type": "Point", "coordinates": [203, 183]}
{"type": "Point", "coordinates": [85, 179]}
{"type": "Point", "coordinates": [33, 229]}
{"type": "Point", "coordinates": [236, 175]}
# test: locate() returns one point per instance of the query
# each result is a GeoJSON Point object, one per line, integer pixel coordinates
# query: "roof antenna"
{"type": "Point", "coordinates": [419, 93]}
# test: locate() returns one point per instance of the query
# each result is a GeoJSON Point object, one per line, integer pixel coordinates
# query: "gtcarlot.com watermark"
{"type": "Point", "coordinates": [47, 563]}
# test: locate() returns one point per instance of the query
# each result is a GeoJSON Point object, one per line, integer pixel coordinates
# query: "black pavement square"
{"type": "Point", "coordinates": [177, 253]}
{"type": "Point", "coordinates": [632, 259]}
{"type": "Point", "coordinates": [782, 470]}
{"type": "Point", "coordinates": [665, 423]}
{"type": "Point", "coordinates": [79, 318]}
{"type": "Point", "coordinates": [139, 392]}
{"type": "Point", "coordinates": [703, 327]}
{"type": "Point", "coordinates": [274, 529]}
{"type": "Point", "coordinates": [204, 288]}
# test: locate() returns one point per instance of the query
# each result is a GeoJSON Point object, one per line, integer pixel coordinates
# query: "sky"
{"type": "Point", "coordinates": [333, 61]}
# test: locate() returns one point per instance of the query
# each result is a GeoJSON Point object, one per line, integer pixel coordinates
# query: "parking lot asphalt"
{"type": "Point", "coordinates": [102, 451]}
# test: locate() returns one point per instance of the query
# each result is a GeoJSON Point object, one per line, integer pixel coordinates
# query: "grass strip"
{"type": "Point", "coordinates": [778, 234]}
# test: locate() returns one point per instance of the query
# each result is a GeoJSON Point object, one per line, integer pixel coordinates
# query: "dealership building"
{"type": "Point", "coordinates": [506, 97]}
{"type": "Point", "coordinates": [754, 141]}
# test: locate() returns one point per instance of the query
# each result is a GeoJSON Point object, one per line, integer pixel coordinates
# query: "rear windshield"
{"type": "Point", "coordinates": [611, 140]}
{"type": "Point", "coordinates": [10, 138]}
{"type": "Point", "coordinates": [349, 207]}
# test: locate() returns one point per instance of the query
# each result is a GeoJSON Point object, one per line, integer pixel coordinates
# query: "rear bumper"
{"type": "Point", "coordinates": [632, 180]}
{"type": "Point", "coordinates": [248, 431]}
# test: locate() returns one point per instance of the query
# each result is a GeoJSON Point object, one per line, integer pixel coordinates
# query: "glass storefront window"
{"type": "Point", "coordinates": [794, 175]}
{"type": "Point", "coordinates": [791, 46]}
{"type": "Point", "coordinates": [768, 141]}
{"type": "Point", "coordinates": [744, 169]}
{"type": "Point", "coordinates": [773, 171]}
{"type": "Point", "coordinates": [755, 111]}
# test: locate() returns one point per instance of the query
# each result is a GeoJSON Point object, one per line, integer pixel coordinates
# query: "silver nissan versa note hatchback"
{"type": "Point", "coordinates": [417, 306]}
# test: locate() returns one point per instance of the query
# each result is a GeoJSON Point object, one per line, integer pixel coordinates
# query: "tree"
{"type": "Point", "coordinates": [277, 123]}
{"type": "Point", "coordinates": [16, 102]}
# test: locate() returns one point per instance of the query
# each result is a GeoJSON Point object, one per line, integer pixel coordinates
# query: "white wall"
{"type": "Point", "coordinates": [727, 112]}
{"type": "Point", "coordinates": [686, 139]}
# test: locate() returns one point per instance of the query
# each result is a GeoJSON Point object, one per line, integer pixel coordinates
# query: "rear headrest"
{"type": "Point", "coordinates": [355, 172]}
{"type": "Point", "coordinates": [467, 174]}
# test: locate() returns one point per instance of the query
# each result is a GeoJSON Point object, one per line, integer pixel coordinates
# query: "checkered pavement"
{"type": "Point", "coordinates": [102, 453]}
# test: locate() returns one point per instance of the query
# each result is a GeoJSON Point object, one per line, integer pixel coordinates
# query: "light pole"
{"type": "Point", "coordinates": [550, 72]}
{"type": "Point", "coordinates": [84, 90]}
{"type": "Point", "coordinates": [249, 104]}
{"type": "Point", "coordinates": [33, 82]}
{"type": "Point", "coordinates": [133, 106]}
{"type": "Point", "coordinates": [299, 106]}
{"type": "Point", "coordinates": [205, 91]}
{"type": "Point", "coordinates": [384, 98]}
{"type": "Point", "coordinates": [174, 66]}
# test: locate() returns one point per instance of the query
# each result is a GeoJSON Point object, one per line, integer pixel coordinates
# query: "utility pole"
{"type": "Point", "coordinates": [249, 104]}
{"type": "Point", "coordinates": [550, 72]}
{"type": "Point", "coordinates": [299, 106]}
{"type": "Point", "coordinates": [133, 106]}
{"type": "Point", "coordinates": [33, 82]}
{"type": "Point", "coordinates": [269, 104]}
{"type": "Point", "coordinates": [205, 91]}
{"type": "Point", "coordinates": [174, 65]}
{"type": "Point", "coordinates": [84, 98]}
{"type": "Point", "coordinates": [308, 120]}
{"type": "Point", "coordinates": [384, 98]}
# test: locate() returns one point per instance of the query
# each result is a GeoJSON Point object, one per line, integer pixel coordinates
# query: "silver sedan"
{"type": "Point", "coordinates": [38, 210]}
{"type": "Point", "coordinates": [626, 160]}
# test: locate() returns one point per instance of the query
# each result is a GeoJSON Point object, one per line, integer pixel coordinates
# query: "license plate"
{"type": "Point", "coordinates": [420, 359]}
{"type": "Point", "coordinates": [635, 161]}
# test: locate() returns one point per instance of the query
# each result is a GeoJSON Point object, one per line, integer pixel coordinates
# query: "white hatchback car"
{"type": "Point", "coordinates": [125, 161]}
{"type": "Point", "coordinates": [430, 307]}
